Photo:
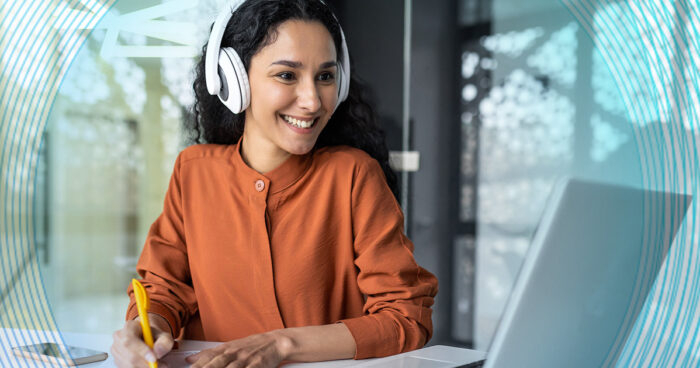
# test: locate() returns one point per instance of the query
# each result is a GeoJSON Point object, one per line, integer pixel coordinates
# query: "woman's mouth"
{"type": "Point", "coordinates": [299, 123]}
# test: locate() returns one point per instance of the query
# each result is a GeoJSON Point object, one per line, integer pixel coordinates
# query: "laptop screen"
{"type": "Point", "coordinates": [592, 262]}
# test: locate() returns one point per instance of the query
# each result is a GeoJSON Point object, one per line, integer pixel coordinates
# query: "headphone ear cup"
{"type": "Point", "coordinates": [235, 89]}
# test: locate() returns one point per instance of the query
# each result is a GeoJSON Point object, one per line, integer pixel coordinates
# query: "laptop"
{"type": "Point", "coordinates": [593, 259]}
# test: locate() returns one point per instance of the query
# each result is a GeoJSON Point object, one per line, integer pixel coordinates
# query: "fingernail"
{"type": "Point", "coordinates": [150, 357]}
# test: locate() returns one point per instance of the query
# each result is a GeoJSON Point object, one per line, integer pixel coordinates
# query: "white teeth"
{"type": "Point", "coordinates": [298, 123]}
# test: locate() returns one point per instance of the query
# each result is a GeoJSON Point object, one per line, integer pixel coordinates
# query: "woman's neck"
{"type": "Point", "coordinates": [261, 155]}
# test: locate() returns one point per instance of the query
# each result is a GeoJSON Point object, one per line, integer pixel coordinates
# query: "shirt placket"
{"type": "Point", "coordinates": [260, 245]}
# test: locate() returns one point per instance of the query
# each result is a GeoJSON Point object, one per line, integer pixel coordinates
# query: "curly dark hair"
{"type": "Point", "coordinates": [252, 27]}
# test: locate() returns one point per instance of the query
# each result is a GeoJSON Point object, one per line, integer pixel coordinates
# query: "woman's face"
{"type": "Point", "coordinates": [293, 89]}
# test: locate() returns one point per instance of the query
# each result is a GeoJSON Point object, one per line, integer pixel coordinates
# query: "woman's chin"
{"type": "Point", "coordinates": [301, 149]}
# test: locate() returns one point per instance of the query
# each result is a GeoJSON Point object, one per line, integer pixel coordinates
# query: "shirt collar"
{"type": "Point", "coordinates": [281, 177]}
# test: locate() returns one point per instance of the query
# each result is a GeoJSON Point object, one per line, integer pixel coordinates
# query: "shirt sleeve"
{"type": "Point", "coordinates": [163, 264]}
{"type": "Point", "coordinates": [397, 314]}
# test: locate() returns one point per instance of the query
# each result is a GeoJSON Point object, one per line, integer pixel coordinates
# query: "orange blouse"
{"type": "Point", "coordinates": [317, 240]}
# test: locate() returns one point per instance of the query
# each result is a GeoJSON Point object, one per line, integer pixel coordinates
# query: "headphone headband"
{"type": "Point", "coordinates": [212, 62]}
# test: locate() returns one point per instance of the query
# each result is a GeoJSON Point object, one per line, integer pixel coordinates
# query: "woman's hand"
{"type": "Point", "coordinates": [129, 349]}
{"type": "Point", "coordinates": [261, 350]}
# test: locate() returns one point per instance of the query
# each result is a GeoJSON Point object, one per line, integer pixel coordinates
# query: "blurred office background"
{"type": "Point", "coordinates": [498, 97]}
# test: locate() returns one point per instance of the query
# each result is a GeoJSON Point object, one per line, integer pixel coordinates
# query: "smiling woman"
{"type": "Point", "coordinates": [280, 234]}
{"type": "Point", "coordinates": [295, 92]}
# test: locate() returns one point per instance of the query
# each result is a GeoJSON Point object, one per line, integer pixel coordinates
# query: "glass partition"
{"type": "Point", "coordinates": [113, 135]}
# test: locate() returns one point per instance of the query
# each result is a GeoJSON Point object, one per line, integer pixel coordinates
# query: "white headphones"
{"type": "Point", "coordinates": [230, 80]}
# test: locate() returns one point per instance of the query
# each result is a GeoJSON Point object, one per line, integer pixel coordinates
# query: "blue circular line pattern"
{"type": "Point", "coordinates": [20, 260]}
{"type": "Point", "coordinates": [31, 70]}
{"type": "Point", "coordinates": [666, 127]}
{"type": "Point", "coordinates": [665, 123]}
{"type": "Point", "coordinates": [12, 302]}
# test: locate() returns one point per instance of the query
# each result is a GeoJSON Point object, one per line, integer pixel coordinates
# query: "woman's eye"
{"type": "Point", "coordinates": [286, 76]}
{"type": "Point", "coordinates": [325, 77]}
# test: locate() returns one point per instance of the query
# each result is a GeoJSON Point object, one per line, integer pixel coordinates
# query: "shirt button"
{"type": "Point", "coordinates": [259, 185]}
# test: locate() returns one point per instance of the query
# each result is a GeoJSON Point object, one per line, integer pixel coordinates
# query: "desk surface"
{"type": "Point", "coordinates": [103, 342]}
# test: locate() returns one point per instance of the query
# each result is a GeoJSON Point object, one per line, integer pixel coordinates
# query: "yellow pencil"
{"type": "Point", "coordinates": [142, 303]}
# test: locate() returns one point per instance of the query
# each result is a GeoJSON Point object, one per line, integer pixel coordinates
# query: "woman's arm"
{"type": "Point", "coordinates": [163, 263]}
{"type": "Point", "coordinates": [316, 343]}
{"type": "Point", "coordinates": [399, 293]}
{"type": "Point", "coordinates": [307, 344]}
{"type": "Point", "coordinates": [164, 267]}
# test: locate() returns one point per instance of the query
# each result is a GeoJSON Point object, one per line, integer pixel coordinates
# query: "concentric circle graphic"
{"type": "Point", "coordinates": [32, 67]}
{"type": "Point", "coordinates": [650, 48]}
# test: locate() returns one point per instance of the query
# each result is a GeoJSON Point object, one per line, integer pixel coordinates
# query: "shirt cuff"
{"type": "Point", "coordinates": [371, 334]}
{"type": "Point", "coordinates": [159, 309]}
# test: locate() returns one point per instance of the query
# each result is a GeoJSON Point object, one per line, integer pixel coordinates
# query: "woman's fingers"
{"type": "Point", "coordinates": [209, 354]}
{"type": "Point", "coordinates": [200, 359]}
{"type": "Point", "coordinates": [135, 342]}
{"type": "Point", "coordinates": [163, 343]}
{"type": "Point", "coordinates": [255, 351]}
{"type": "Point", "coordinates": [140, 349]}
{"type": "Point", "coordinates": [192, 358]}
{"type": "Point", "coordinates": [125, 358]}
{"type": "Point", "coordinates": [129, 349]}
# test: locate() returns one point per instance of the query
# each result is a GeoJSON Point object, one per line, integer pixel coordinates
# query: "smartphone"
{"type": "Point", "coordinates": [60, 354]}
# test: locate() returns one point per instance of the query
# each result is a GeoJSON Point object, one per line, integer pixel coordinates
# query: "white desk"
{"type": "Point", "coordinates": [14, 337]}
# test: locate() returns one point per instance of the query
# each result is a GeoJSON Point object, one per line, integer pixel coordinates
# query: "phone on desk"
{"type": "Point", "coordinates": [59, 354]}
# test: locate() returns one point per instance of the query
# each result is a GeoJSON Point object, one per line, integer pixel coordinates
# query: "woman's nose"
{"type": "Point", "coordinates": [308, 97]}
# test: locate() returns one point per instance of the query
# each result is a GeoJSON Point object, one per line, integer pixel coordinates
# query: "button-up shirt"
{"type": "Point", "coordinates": [317, 240]}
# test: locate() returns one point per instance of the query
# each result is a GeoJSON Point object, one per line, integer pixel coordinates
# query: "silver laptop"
{"type": "Point", "coordinates": [591, 264]}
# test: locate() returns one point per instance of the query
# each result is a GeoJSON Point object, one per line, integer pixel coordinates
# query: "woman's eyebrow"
{"type": "Point", "coordinates": [297, 64]}
{"type": "Point", "coordinates": [291, 64]}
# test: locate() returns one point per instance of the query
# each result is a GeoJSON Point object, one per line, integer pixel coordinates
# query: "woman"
{"type": "Point", "coordinates": [282, 236]}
